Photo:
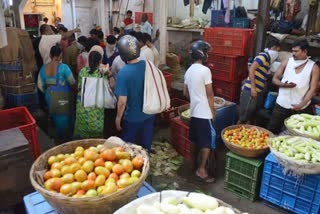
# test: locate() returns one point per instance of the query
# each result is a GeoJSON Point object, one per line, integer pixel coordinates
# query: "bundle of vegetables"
{"type": "Point", "coordinates": [304, 124]}
{"type": "Point", "coordinates": [297, 148]}
{"type": "Point", "coordinates": [167, 202]}
{"type": "Point", "coordinates": [298, 154]}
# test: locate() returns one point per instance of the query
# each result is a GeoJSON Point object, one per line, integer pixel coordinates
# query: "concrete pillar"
{"type": "Point", "coordinates": [163, 30]}
{"type": "Point", "coordinates": [102, 16]}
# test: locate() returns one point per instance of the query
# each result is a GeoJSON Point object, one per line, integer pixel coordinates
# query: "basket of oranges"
{"type": "Point", "coordinates": [246, 140]}
{"type": "Point", "coordinates": [91, 175]}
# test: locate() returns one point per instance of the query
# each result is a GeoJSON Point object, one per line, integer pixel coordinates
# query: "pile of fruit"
{"type": "Point", "coordinates": [93, 171]}
{"type": "Point", "coordinates": [297, 148]}
{"type": "Point", "coordinates": [195, 203]}
{"type": "Point", "coordinates": [251, 138]}
{"type": "Point", "coordinates": [305, 124]}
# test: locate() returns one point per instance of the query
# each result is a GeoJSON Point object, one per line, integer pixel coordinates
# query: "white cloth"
{"type": "Point", "coordinates": [156, 56]}
{"type": "Point", "coordinates": [196, 79]}
{"type": "Point", "coordinates": [45, 45]}
{"type": "Point", "coordinates": [3, 32]}
{"type": "Point", "coordinates": [146, 27]}
{"type": "Point", "coordinates": [155, 95]}
{"type": "Point", "coordinates": [146, 54]}
{"type": "Point", "coordinates": [117, 65]}
{"type": "Point", "coordinates": [292, 96]}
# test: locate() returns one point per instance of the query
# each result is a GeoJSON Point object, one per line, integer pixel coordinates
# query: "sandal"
{"type": "Point", "coordinates": [207, 179]}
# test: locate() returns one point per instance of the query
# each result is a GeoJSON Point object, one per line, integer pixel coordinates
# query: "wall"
{"type": "Point", "coordinates": [46, 11]}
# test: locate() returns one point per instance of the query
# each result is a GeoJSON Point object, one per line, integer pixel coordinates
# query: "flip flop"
{"type": "Point", "coordinates": [207, 179]}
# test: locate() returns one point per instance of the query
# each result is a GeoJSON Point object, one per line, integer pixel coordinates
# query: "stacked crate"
{"type": "Point", "coordinates": [228, 60]}
{"type": "Point", "coordinates": [243, 176]}
{"type": "Point", "coordinates": [298, 194]}
{"type": "Point", "coordinates": [17, 68]}
{"type": "Point", "coordinates": [18, 87]}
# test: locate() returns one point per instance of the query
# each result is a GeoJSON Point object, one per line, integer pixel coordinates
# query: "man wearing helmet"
{"type": "Point", "coordinates": [198, 87]}
{"type": "Point", "coordinates": [136, 126]}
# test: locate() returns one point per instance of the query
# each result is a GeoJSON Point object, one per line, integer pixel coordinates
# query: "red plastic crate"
{"type": "Point", "coordinates": [179, 127]}
{"type": "Point", "coordinates": [21, 118]}
{"type": "Point", "coordinates": [138, 15]}
{"type": "Point", "coordinates": [168, 77]}
{"type": "Point", "coordinates": [182, 145]}
{"type": "Point", "coordinates": [230, 41]}
{"type": "Point", "coordinates": [228, 68]}
{"type": "Point", "coordinates": [228, 90]}
{"type": "Point", "coordinates": [173, 111]}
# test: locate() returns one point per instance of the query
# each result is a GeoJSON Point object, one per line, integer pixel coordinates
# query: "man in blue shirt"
{"type": "Point", "coordinates": [136, 126]}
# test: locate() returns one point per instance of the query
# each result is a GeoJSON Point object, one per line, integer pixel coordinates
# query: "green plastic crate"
{"type": "Point", "coordinates": [243, 175]}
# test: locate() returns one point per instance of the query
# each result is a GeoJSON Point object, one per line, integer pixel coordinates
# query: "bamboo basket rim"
{"type": "Point", "coordinates": [291, 131]}
{"type": "Point", "coordinates": [58, 196]}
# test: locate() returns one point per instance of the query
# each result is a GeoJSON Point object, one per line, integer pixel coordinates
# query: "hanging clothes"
{"type": "Point", "coordinates": [226, 8]}
{"type": "Point", "coordinates": [206, 4]}
{"type": "Point", "coordinates": [292, 8]}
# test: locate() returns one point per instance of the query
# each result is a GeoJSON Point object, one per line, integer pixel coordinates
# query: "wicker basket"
{"type": "Point", "coordinates": [296, 167]}
{"type": "Point", "coordinates": [250, 153]}
{"type": "Point", "coordinates": [292, 132]}
{"type": "Point", "coordinates": [93, 205]}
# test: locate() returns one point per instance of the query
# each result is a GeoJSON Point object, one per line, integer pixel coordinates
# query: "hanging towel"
{"type": "Point", "coordinates": [206, 6]}
{"type": "Point", "coordinates": [227, 15]}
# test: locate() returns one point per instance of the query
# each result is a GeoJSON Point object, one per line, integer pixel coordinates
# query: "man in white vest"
{"type": "Point", "coordinates": [297, 79]}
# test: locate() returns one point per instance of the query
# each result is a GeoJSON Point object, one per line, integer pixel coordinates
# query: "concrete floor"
{"type": "Point", "coordinates": [185, 178]}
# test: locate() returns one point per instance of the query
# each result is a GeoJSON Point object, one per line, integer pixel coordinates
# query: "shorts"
{"type": "Point", "coordinates": [202, 133]}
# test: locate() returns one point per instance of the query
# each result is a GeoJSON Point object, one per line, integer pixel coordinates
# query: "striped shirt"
{"type": "Point", "coordinates": [260, 74]}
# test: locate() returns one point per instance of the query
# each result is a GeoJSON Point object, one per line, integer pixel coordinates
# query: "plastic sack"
{"type": "Point", "coordinates": [270, 100]}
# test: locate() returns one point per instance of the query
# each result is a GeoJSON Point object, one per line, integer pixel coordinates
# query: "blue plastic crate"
{"type": "Point", "coordinates": [298, 194]}
{"type": "Point", "coordinates": [241, 23]}
{"type": "Point", "coordinates": [217, 18]}
{"type": "Point", "coordinates": [36, 204]}
{"type": "Point", "coordinates": [225, 116]}
{"type": "Point", "coordinates": [29, 100]}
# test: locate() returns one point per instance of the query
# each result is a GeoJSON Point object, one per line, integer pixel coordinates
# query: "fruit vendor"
{"type": "Point", "coordinates": [297, 79]}
{"type": "Point", "coordinates": [252, 95]}
{"type": "Point", "coordinates": [198, 87]}
{"type": "Point", "coordinates": [136, 126]}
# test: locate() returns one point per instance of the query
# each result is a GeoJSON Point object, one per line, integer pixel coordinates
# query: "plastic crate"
{"type": "Point", "coordinates": [229, 41]}
{"type": "Point", "coordinates": [21, 118]}
{"type": "Point", "coordinates": [228, 90]}
{"type": "Point", "coordinates": [242, 175]}
{"type": "Point", "coordinates": [138, 15]}
{"type": "Point", "coordinates": [228, 68]}
{"type": "Point", "coordinates": [29, 100]}
{"type": "Point", "coordinates": [298, 194]}
{"type": "Point", "coordinates": [241, 23]}
{"type": "Point", "coordinates": [173, 111]}
{"type": "Point", "coordinates": [182, 145]}
{"type": "Point", "coordinates": [225, 116]}
{"type": "Point", "coordinates": [36, 204]}
{"type": "Point", "coordinates": [217, 18]}
{"type": "Point", "coordinates": [179, 127]}
{"type": "Point", "coordinates": [168, 77]}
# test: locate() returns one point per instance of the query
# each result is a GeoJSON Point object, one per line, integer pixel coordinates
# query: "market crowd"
{"type": "Point", "coordinates": [66, 64]}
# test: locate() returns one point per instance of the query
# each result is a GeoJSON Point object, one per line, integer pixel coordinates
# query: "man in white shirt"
{"type": "Point", "coordinates": [145, 25]}
{"type": "Point", "coordinates": [297, 79]}
{"type": "Point", "coordinates": [49, 39]}
{"type": "Point", "coordinates": [146, 52]}
{"type": "Point", "coordinates": [148, 41]}
{"type": "Point", "coordinates": [198, 87]}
